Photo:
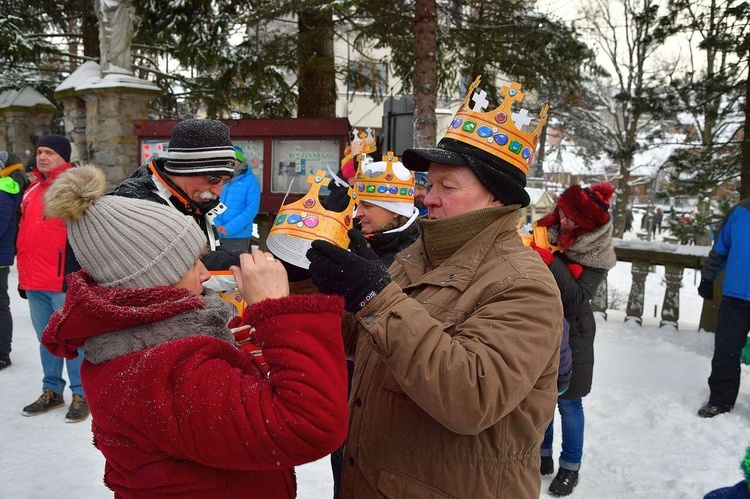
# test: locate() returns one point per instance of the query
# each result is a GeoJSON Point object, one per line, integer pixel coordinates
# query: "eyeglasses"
{"type": "Point", "coordinates": [217, 180]}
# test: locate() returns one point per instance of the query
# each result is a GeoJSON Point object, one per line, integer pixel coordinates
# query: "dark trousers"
{"type": "Point", "coordinates": [6, 321]}
{"type": "Point", "coordinates": [731, 335]}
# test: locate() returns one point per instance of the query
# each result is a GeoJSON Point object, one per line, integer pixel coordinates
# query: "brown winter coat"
{"type": "Point", "coordinates": [456, 368]}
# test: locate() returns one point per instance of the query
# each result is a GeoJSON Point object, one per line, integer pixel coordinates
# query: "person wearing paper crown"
{"type": "Point", "coordinates": [457, 344]}
{"type": "Point", "coordinates": [178, 409]}
{"type": "Point", "coordinates": [387, 219]}
{"type": "Point", "coordinates": [579, 231]}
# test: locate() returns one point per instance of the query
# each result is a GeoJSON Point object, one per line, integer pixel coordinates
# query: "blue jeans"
{"type": "Point", "coordinates": [571, 417]}
{"type": "Point", "coordinates": [41, 306]}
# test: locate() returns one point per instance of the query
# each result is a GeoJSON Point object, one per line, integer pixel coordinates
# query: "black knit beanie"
{"type": "Point", "coordinates": [58, 143]}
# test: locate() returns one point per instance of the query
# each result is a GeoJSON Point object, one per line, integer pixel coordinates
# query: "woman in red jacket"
{"type": "Point", "coordinates": [177, 408]}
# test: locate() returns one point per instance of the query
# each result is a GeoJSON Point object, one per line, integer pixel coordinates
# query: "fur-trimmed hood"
{"type": "Point", "coordinates": [91, 311]}
{"type": "Point", "coordinates": [590, 249]}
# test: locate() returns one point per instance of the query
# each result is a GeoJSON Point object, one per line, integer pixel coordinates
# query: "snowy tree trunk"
{"type": "Point", "coordinates": [425, 74]}
{"type": "Point", "coordinates": [317, 74]}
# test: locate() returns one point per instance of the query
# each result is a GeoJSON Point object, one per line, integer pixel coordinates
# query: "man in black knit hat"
{"type": "Point", "coordinates": [200, 160]}
{"type": "Point", "coordinates": [44, 260]}
{"type": "Point", "coordinates": [456, 345]}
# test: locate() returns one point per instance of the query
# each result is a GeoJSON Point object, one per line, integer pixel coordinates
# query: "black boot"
{"type": "Point", "coordinates": [548, 465]}
{"type": "Point", "coordinates": [564, 483]}
{"type": "Point", "coordinates": [709, 410]}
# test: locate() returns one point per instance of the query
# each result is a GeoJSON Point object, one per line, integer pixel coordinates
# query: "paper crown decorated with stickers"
{"type": "Point", "coordinates": [500, 132]}
{"type": "Point", "coordinates": [386, 186]}
{"type": "Point", "coordinates": [301, 222]}
{"type": "Point", "coordinates": [361, 143]}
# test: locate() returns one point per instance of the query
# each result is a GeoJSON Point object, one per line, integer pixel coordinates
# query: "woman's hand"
{"type": "Point", "coordinates": [260, 277]}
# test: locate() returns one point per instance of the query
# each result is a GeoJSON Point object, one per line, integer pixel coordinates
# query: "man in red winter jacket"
{"type": "Point", "coordinates": [44, 259]}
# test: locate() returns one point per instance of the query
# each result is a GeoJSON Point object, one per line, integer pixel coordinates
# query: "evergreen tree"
{"type": "Point", "coordinates": [712, 92]}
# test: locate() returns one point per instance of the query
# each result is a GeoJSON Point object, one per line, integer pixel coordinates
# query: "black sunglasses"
{"type": "Point", "coordinates": [217, 180]}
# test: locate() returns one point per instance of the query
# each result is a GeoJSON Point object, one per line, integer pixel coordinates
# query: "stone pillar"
{"type": "Point", "coordinates": [24, 127]}
{"type": "Point", "coordinates": [110, 140]}
{"type": "Point", "coordinates": [710, 312]}
{"type": "Point", "coordinates": [670, 309]}
{"type": "Point", "coordinates": [74, 115]}
{"type": "Point", "coordinates": [634, 312]}
{"type": "Point", "coordinates": [599, 302]}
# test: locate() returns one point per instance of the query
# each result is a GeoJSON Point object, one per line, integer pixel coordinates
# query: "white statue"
{"type": "Point", "coordinates": [115, 35]}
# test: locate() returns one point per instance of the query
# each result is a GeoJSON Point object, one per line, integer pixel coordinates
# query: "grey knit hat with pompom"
{"type": "Point", "coordinates": [123, 242]}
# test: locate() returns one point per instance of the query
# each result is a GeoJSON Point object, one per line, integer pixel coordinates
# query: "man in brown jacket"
{"type": "Point", "coordinates": [457, 344]}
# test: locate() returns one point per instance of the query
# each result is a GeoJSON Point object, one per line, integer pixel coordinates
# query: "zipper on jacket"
{"type": "Point", "coordinates": [59, 261]}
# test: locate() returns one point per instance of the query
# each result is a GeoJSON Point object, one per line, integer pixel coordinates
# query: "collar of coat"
{"type": "Point", "coordinates": [453, 248]}
{"type": "Point", "coordinates": [91, 310]}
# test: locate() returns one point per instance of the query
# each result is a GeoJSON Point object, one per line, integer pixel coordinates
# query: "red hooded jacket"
{"type": "Point", "coordinates": [191, 414]}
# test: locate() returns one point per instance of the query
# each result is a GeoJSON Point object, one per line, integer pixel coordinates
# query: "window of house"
{"type": "Point", "coordinates": [368, 77]}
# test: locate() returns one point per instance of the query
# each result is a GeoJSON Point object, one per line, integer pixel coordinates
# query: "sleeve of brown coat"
{"type": "Point", "coordinates": [474, 375]}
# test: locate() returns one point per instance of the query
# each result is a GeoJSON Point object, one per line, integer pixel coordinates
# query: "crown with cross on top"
{"type": "Point", "coordinates": [500, 131]}
{"type": "Point", "coordinates": [307, 219]}
{"type": "Point", "coordinates": [386, 186]}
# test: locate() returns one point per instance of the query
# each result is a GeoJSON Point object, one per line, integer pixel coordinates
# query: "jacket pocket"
{"type": "Point", "coordinates": [396, 485]}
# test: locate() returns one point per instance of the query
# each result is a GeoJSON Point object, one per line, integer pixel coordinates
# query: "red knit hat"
{"type": "Point", "coordinates": [588, 207]}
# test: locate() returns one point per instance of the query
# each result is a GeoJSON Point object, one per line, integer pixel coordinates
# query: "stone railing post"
{"type": "Point", "coordinates": [599, 302]}
{"type": "Point", "coordinates": [670, 309]}
{"type": "Point", "coordinates": [634, 312]}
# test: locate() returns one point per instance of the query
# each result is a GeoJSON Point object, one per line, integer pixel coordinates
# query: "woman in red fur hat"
{"type": "Point", "coordinates": [580, 227]}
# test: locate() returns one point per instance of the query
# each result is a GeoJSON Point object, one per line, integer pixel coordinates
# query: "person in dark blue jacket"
{"type": "Point", "coordinates": [731, 253]}
{"type": "Point", "coordinates": [10, 198]}
{"type": "Point", "coordinates": [241, 196]}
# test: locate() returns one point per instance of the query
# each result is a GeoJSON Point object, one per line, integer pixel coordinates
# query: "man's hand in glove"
{"type": "Point", "coordinates": [357, 275]}
{"type": "Point", "coordinates": [706, 289]}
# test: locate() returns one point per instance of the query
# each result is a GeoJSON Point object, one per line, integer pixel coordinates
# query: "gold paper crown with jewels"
{"type": "Point", "coordinates": [498, 132]}
{"type": "Point", "coordinates": [307, 220]}
{"type": "Point", "coordinates": [387, 186]}
{"type": "Point", "coordinates": [362, 143]}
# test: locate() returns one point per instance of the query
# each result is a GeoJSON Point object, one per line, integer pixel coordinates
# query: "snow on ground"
{"type": "Point", "coordinates": [643, 438]}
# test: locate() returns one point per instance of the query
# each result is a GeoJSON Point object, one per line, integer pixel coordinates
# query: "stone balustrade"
{"type": "Point", "coordinates": [643, 255]}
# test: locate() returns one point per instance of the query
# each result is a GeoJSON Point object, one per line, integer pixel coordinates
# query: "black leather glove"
{"type": "Point", "coordinates": [706, 289]}
{"type": "Point", "coordinates": [357, 275]}
{"type": "Point", "coordinates": [22, 293]}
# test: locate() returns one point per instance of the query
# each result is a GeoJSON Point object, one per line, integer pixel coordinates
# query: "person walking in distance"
{"type": "Point", "coordinates": [45, 258]}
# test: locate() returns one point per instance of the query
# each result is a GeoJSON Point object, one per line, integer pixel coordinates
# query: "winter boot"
{"type": "Point", "coordinates": [4, 361]}
{"type": "Point", "coordinates": [709, 410]}
{"type": "Point", "coordinates": [548, 465]}
{"type": "Point", "coordinates": [564, 483]}
{"type": "Point", "coordinates": [78, 411]}
{"type": "Point", "coordinates": [47, 401]}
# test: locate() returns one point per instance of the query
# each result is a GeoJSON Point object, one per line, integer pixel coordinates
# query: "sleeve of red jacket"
{"type": "Point", "coordinates": [221, 411]}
